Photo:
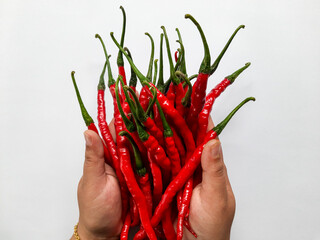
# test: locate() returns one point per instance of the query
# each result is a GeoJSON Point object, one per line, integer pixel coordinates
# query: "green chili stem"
{"type": "Point", "coordinates": [111, 80]}
{"type": "Point", "coordinates": [218, 129]}
{"type": "Point", "coordinates": [160, 83]}
{"type": "Point", "coordinates": [142, 78]}
{"type": "Point", "coordinates": [120, 58]}
{"type": "Point", "coordinates": [141, 170]}
{"type": "Point", "coordinates": [154, 98]}
{"type": "Point", "coordinates": [205, 65]}
{"type": "Point", "coordinates": [167, 131]}
{"type": "Point", "coordinates": [85, 115]}
{"type": "Point", "coordinates": [149, 74]}
{"type": "Point", "coordinates": [140, 114]}
{"type": "Point", "coordinates": [173, 77]}
{"type": "Point", "coordinates": [183, 67]}
{"type": "Point", "coordinates": [155, 71]}
{"type": "Point", "coordinates": [217, 61]}
{"type": "Point", "coordinates": [234, 75]}
{"type": "Point", "coordinates": [133, 78]}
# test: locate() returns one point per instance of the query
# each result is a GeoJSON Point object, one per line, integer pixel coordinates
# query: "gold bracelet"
{"type": "Point", "coordinates": [75, 232]}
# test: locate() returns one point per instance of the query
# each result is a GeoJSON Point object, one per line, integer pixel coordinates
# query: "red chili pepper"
{"type": "Point", "coordinates": [143, 177]}
{"type": "Point", "coordinates": [121, 141]}
{"type": "Point", "coordinates": [134, 213]}
{"type": "Point", "coordinates": [187, 170]}
{"type": "Point", "coordinates": [187, 193]}
{"type": "Point", "coordinates": [187, 225]}
{"type": "Point", "coordinates": [167, 225]}
{"type": "Point", "coordinates": [172, 151]}
{"type": "Point", "coordinates": [89, 121]}
{"type": "Point", "coordinates": [214, 93]}
{"type": "Point", "coordinates": [125, 228]}
{"type": "Point", "coordinates": [136, 192]}
{"type": "Point", "coordinates": [157, 179]}
{"type": "Point", "coordinates": [200, 86]}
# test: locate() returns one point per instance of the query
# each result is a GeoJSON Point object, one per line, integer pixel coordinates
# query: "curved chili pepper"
{"type": "Point", "coordinates": [89, 121]}
{"type": "Point", "coordinates": [121, 141]}
{"type": "Point", "coordinates": [188, 169]}
{"type": "Point", "coordinates": [143, 177]}
{"type": "Point", "coordinates": [136, 192]}
{"type": "Point", "coordinates": [200, 86]}
{"type": "Point", "coordinates": [120, 62]}
{"type": "Point", "coordinates": [172, 151]}
{"type": "Point", "coordinates": [167, 225]}
{"type": "Point", "coordinates": [214, 93]}
{"type": "Point", "coordinates": [186, 198]}
{"type": "Point", "coordinates": [187, 225]}
{"type": "Point", "coordinates": [126, 227]}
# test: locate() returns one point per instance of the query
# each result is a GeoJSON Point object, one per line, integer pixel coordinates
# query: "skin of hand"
{"type": "Point", "coordinates": [99, 195]}
{"type": "Point", "coordinates": [212, 205]}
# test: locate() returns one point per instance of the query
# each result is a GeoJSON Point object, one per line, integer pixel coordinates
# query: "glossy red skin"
{"type": "Point", "coordinates": [177, 120]}
{"type": "Point", "coordinates": [107, 156]}
{"type": "Point", "coordinates": [205, 112]}
{"type": "Point", "coordinates": [177, 183]}
{"type": "Point", "coordinates": [171, 94]}
{"type": "Point", "coordinates": [144, 98]}
{"type": "Point", "coordinates": [121, 141]}
{"type": "Point", "coordinates": [157, 179]}
{"type": "Point", "coordinates": [197, 101]}
{"type": "Point", "coordinates": [105, 132]}
{"type": "Point", "coordinates": [158, 153]}
{"type": "Point", "coordinates": [126, 227]}
{"type": "Point", "coordinates": [137, 194]}
{"type": "Point", "coordinates": [179, 145]}
{"type": "Point", "coordinates": [173, 155]}
{"type": "Point", "coordinates": [186, 198]}
{"type": "Point", "coordinates": [156, 117]}
{"type": "Point", "coordinates": [167, 225]}
{"type": "Point", "coordinates": [187, 225]}
{"type": "Point", "coordinates": [144, 183]}
{"type": "Point", "coordinates": [134, 213]}
{"type": "Point", "coordinates": [154, 130]}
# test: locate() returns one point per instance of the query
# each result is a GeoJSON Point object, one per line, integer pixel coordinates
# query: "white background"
{"type": "Point", "coordinates": [270, 148]}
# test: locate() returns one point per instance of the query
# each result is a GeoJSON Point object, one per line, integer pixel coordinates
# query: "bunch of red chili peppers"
{"type": "Point", "coordinates": [160, 135]}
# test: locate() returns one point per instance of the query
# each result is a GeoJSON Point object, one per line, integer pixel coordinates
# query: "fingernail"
{"type": "Point", "coordinates": [215, 150]}
{"type": "Point", "coordinates": [88, 139]}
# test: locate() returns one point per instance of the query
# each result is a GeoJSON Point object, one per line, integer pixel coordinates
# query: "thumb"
{"type": "Point", "coordinates": [94, 165]}
{"type": "Point", "coordinates": [214, 180]}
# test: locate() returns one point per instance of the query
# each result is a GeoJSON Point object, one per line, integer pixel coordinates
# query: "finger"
{"type": "Point", "coordinates": [94, 165]}
{"type": "Point", "coordinates": [214, 181]}
{"type": "Point", "coordinates": [112, 130]}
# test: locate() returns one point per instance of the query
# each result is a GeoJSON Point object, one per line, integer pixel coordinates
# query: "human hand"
{"type": "Point", "coordinates": [98, 195]}
{"type": "Point", "coordinates": [212, 205]}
